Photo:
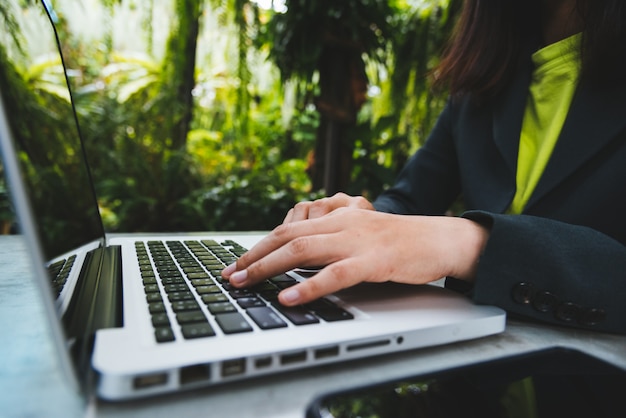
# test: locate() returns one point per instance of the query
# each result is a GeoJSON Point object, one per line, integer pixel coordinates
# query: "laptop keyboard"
{"type": "Point", "coordinates": [197, 300]}
{"type": "Point", "coordinates": [59, 273]}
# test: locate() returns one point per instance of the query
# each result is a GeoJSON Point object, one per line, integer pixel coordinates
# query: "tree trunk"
{"type": "Point", "coordinates": [342, 92]}
{"type": "Point", "coordinates": [186, 43]}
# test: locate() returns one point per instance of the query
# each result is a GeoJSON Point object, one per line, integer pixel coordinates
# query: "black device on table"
{"type": "Point", "coordinates": [556, 382]}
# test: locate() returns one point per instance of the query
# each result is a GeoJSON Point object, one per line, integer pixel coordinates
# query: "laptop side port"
{"type": "Point", "coordinates": [368, 345]}
{"type": "Point", "coordinates": [150, 380]}
{"type": "Point", "coordinates": [233, 367]}
{"type": "Point", "coordinates": [291, 358]}
{"type": "Point", "coordinates": [262, 362]}
{"type": "Point", "coordinates": [194, 374]}
{"type": "Point", "coordinates": [326, 352]}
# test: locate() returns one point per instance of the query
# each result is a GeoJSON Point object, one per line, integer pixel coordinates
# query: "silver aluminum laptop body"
{"type": "Point", "coordinates": [101, 320]}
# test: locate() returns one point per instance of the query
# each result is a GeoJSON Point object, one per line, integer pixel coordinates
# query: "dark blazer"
{"type": "Point", "coordinates": [564, 259]}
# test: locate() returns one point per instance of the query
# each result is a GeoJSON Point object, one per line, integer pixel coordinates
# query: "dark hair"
{"type": "Point", "coordinates": [492, 37]}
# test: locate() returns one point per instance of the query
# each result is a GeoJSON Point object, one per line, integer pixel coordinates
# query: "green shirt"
{"type": "Point", "coordinates": [554, 81]}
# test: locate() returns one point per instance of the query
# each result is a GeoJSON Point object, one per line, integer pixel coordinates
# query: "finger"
{"type": "Point", "coordinates": [359, 202]}
{"type": "Point", "coordinates": [307, 250]}
{"type": "Point", "coordinates": [288, 217]}
{"type": "Point", "coordinates": [332, 278]}
{"type": "Point", "coordinates": [329, 205]}
{"type": "Point", "coordinates": [289, 241]}
{"type": "Point", "coordinates": [320, 207]}
{"type": "Point", "coordinates": [300, 212]}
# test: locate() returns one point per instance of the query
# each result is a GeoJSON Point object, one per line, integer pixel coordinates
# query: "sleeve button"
{"type": "Point", "coordinates": [545, 302]}
{"type": "Point", "coordinates": [523, 293]}
{"type": "Point", "coordinates": [568, 312]}
{"type": "Point", "coordinates": [592, 316]}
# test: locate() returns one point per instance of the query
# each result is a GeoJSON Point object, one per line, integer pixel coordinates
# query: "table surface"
{"type": "Point", "coordinates": [32, 384]}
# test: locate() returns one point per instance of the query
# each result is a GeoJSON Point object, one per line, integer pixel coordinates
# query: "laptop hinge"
{"type": "Point", "coordinates": [97, 302]}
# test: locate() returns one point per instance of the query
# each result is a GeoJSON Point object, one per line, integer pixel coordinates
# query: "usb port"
{"type": "Point", "coordinates": [293, 357]}
{"type": "Point", "coordinates": [233, 367]}
{"type": "Point", "coordinates": [263, 362]}
{"type": "Point", "coordinates": [327, 352]}
{"type": "Point", "coordinates": [150, 380]}
{"type": "Point", "coordinates": [193, 374]}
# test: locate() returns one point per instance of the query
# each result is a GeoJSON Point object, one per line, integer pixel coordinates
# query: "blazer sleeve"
{"type": "Point", "coordinates": [565, 262]}
{"type": "Point", "coordinates": [429, 183]}
{"type": "Point", "coordinates": [552, 271]}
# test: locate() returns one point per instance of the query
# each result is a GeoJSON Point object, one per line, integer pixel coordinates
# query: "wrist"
{"type": "Point", "coordinates": [468, 240]}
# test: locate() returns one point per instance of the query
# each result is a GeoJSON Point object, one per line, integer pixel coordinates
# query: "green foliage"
{"type": "Point", "coordinates": [418, 40]}
{"type": "Point", "coordinates": [7, 18]}
{"type": "Point", "coordinates": [35, 96]}
{"type": "Point", "coordinates": [399, 43]}
{"type": "Point", "coordinates": [395, 123]}
{"type": "Point", "coordinates": [221, 179]}
{"type": "Point", "coordinates": [235, 154]}
{"type": "Point", "coordinates": [298, 36]}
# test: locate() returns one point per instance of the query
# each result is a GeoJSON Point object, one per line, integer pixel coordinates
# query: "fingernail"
{"type": "Point", "coordinates": [239, 277]}
{"type": "Point", "coordinates": [229, 270]}
{"type": "Point", "coordinates": [290, 296]}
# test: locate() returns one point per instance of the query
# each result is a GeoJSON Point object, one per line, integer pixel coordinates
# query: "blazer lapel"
{"type": "Point", "coordinates": [594, 119]}
{"type": "Point", "coordinates": [508, 114]}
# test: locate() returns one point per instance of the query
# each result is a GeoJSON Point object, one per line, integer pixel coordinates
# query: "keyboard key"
{"type": "Point", "coordinates": [188, 317]}
{"type": "Point", "coordinates": [221, 307]}
{"type": "Point", "coordinates": [266, 318]}
{"type": "Point", "coordinates": [169, 271]}
{"type": "Point", "coordinates": [283, 278]}
{"type": "Point", "coordinates": [180, 296]}
{"type": "Point", "coordinates": [202, 282]}
{"type": "Point", "coordinates": [171, 280]}
{"type": "Point", "coordinates": [285, 284]}
{"type": "Point", "coordinates": [156, 307]}
{"type": "Point", "coordinates": [214, 297]}
{"type": "Point", "coordinates": [164, 334]}
{"type": "Point", "coordinates": [232, 323]}
{"type": "Point", "coordinates": [160, 320]}
{"type": "Point", "coordinates": [198, 275]}
{"type": "Point", "coordinates": [153, 297]}
{"type": "Point", "coordinates": [185, 305]}
{"type": "Point", "coordinates": [208, 289]}
{"type": "Point", "coordinates": [151, 288]}
{"type": "Point", "coordinates": [321, 304]}
{"type": "Point", "coordinates": [240, 293]}
{"type": "Point", "coordinates": [297, 315]}
{"type": "Point", "coordinates": [179, 287]}
{"type": "Point", "coordinates": [250, 302]}
{"type": "Point", "coordinates": [265, 286]}
{"type": "Point", "coordinates": [328, 311]}
{"type": "Point", "coordinates": [148, 273]}
{"type": "Point", "coordinates": [270, 295]}
{"type": "Point", "coordinates": [332, 315]}
{"type": "Point", "coordinates": [194, 270]}
{"type": "Point", "coordinates": [198, 330]}
{"type": "Point", "coordinates": [149, 280]}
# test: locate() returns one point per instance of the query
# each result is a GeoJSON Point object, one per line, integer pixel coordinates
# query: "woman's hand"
{"type": "Point", "coordinates": [321, 207]}
{"type": "Point", "coordinates": [357, 245]}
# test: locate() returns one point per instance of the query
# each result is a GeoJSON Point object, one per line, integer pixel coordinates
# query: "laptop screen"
{"type": "Point", "coordinates": [37, 104]}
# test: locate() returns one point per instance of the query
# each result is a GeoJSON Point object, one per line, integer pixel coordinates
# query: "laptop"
{"type": "Point", "coordinates": [139, 315]}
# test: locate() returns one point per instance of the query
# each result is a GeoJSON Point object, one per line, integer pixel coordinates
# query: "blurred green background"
{"type": "Point", "coordinates": [222, 114]}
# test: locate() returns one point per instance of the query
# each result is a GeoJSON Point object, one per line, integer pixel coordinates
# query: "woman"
{"type": "Point", "coordinates": [534, 140]}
